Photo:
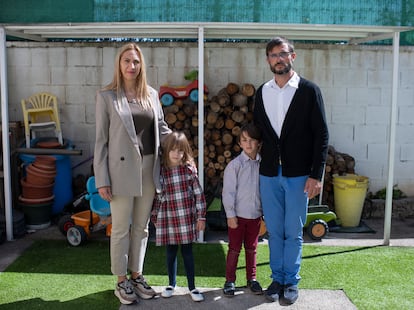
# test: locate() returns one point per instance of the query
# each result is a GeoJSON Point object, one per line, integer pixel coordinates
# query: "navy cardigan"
{"type": "Point", "coordinates": [303, 144]}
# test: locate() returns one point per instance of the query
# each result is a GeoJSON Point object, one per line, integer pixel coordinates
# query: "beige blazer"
{"type": "Point", "coordinates": [117, 158]}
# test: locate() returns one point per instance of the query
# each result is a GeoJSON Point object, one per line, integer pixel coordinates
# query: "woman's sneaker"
{"type": "Point", "coordinates": [125, 292]}
{"type": "Point", "coordinates": [142, 289]}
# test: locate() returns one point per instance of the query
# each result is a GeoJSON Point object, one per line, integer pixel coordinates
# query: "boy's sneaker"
{"type": "Point", "coordinates": [229, 289]}
{"type": "Point", "coordinates": [142, 289]}
{"type": "Point", "coordinates": [274, 291]}
{"type": "Point", "coordinates": [125, 293]}
{"type": "Point", "coordinates": [291, 293]}
{"type": "Point", "coordinates": [255, 287]}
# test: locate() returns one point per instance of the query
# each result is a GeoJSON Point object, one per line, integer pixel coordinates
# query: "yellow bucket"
{"type": "Point", "coordinates": [349, 195]}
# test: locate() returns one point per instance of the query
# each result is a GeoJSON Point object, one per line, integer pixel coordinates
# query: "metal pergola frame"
{"type": "Point", "coordinates": [344, 34]}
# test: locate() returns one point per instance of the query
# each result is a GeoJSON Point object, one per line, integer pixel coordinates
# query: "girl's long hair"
{"type": "Point", "coordinates": [177, 140]}
{"type": "Point", "coordinates": [141, 85]}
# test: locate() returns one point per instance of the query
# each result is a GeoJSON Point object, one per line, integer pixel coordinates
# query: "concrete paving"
{"type": "Point", "coordinates": [214, 299]}
{"type": "Point", "coordinates": [402, 234]}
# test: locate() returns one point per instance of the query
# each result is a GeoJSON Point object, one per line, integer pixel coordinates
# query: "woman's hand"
{"type": "Point", "coordinates": [105, 193]}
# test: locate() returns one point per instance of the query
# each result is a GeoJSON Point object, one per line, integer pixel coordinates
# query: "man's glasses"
{"type": "Point", "coordinates": [282, 55]}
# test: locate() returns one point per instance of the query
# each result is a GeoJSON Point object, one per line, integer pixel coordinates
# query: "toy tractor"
{"type": "Point", "coordinates": [317, 220]}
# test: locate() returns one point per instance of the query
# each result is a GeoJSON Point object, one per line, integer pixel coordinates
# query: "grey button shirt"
{"type": "Point", "coordinates": [241, 196]}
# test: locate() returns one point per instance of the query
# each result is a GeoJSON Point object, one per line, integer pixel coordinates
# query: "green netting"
{"type": "Point", "coordinates": [379, 12]}
{"type": "Point", "coordinates": [46, 11]}
{"type": "Point", "coordinates": [350, 12]}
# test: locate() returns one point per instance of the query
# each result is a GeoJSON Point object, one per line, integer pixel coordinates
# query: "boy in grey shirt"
{"type": "Point", "coordinates": [241, 202]}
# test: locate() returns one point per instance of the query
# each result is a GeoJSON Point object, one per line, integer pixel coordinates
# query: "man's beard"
{"type": "Point", "coordinates": [285, 70]}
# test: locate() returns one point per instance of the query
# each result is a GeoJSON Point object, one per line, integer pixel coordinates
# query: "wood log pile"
{"type": "Point", "coordinates": [336, 163]}
{"type": "Point", "coordinates": [224, 114]}
{"type": "Point", "coordinates": [182, 115]}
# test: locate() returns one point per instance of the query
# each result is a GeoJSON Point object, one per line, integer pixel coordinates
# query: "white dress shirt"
{"type": "Point", "coordinates": [277, 100]}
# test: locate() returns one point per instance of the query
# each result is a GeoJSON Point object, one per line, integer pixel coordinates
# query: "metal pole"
{"type": "Point", "coordinates": [391, 148]}
{"type": "Point", "coordinates": [201, 105]}
{"type": "Point", "coordinates": [5, 136]}
{"type": "Point", "coordinates": [201, 112]}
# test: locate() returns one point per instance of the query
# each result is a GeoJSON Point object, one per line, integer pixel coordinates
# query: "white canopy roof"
{"type": "Point", "coordinates": [347, 34]}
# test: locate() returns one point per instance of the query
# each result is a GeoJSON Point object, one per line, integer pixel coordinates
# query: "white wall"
{"type": "Point", "coordinates": [355, 81]}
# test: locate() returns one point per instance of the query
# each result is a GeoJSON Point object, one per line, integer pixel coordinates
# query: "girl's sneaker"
{"type": "Point", "coordinates": [168, 291]}
{"type": "Point", "coordinates": [125, 292]}
{"type": "Point", "coordinates": [196, 295]}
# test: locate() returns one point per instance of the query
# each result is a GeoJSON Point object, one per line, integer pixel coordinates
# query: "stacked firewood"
{"type": "Point", "coordinates": [336, 163]}
{"type": "Point", "coordinates": [182, 115]}
{"type": "Point", "coordinates": [225, 114]}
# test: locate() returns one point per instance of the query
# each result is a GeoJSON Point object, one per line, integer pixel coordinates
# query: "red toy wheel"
{"type": "Point", "coordinates": [64, 223]}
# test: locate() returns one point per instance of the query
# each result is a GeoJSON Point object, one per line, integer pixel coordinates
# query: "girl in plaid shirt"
{"type": "Point", "coordinates": [179, 209]}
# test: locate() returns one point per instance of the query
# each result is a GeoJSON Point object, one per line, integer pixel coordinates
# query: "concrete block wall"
{"type": "Point", "coordinates": [355, 81]}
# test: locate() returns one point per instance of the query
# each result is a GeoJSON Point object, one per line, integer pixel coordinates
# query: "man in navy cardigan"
{"type": "Point", "coordinates": [289, 110]}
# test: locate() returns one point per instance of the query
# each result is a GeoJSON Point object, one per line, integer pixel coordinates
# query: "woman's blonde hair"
{"type": "Point", "coordinates": [141, 85]}
{"type": "Point", "coordinates": [177, 140]}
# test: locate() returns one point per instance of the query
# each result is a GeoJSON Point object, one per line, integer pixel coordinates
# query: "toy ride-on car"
{"type": "Point", "coordinates": [317, 220]}
{"type": "Point", "coordinates": [167, 93]}
{"type": "Point", "coordinates": [88, 221]}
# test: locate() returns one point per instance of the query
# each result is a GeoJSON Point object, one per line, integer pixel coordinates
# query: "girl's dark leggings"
{"type": "Point", "coordinates": [187, 253]}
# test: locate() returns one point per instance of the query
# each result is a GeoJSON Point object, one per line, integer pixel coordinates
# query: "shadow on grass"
{"type": "Point", "coordinates": [100, 300]}
{"type": "Point", "coordinates": [340, 251]}
{"type": "Point", "coordinates": [57, 257]}
{"type": "Point", "coordinates": [327, 251]}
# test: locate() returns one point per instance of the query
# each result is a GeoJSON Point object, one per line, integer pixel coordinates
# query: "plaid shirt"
{"type": "Point", "coordinates": [178, 206]}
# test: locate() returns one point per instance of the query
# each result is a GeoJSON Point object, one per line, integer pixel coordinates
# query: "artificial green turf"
{"type": "Point", "coordinates": [53, 275]}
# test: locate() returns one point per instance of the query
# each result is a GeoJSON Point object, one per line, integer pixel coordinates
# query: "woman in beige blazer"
{"type": "Point", "coordinates": [129, 128]}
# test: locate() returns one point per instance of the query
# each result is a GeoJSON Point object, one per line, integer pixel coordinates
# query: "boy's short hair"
{"type": "Point", "coordinates": [251, 130]}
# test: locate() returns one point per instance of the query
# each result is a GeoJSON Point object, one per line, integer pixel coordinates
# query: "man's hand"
{"type": "Point", "coordinates": [312, 187]}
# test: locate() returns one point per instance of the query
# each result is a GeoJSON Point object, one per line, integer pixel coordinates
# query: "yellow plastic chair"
{"type": "Point", "coordinates": [40, 113]}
